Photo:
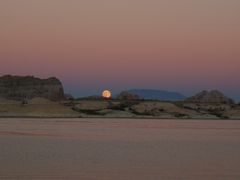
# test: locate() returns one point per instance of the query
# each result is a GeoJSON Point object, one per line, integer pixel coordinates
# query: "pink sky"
{"type": "Point", "coordinates": [179, 45]}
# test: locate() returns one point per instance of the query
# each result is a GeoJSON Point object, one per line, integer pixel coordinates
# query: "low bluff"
{"type": "Point", "coordinates": [28, 87]}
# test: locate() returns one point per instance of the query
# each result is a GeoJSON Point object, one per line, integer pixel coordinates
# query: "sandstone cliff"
{"type": "Point", "coordinates": [28, 87]}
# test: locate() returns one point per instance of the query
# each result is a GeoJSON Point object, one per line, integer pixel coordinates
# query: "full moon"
{"type": "Point", "coordinates": [106, 94]}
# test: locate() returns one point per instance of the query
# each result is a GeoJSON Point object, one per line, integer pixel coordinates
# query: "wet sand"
{"type": "Point", "coordinates": [119, 149]}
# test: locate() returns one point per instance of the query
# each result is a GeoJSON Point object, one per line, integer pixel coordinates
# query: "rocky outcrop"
{"type": "Point", "coordinates": [233, 113]}
{"type": "Point", "coordinates": [28, 87]}
{"type": "Point", "coordinates": [125, 95]}
{"type": "Point", "coordinates": [162, 109]}
{"type": "Point", "coordinates": [210, 97]}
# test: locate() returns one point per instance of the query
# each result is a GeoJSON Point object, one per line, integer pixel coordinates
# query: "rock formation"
{"type": "Point", "coordinates": [210, 97]}
{"type": "Point", "coordinates": [162, 109]}
{"type": "Point", "coordinates": [28, 87]}
{"type": "Point", "coordinates": [125, 95]}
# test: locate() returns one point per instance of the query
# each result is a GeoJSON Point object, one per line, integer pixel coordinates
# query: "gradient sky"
{"type": "Point", "coordinates": [90, 45]}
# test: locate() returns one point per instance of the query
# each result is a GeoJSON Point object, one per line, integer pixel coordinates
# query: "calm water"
{"type": "Point", "coordinates": [119, 149]}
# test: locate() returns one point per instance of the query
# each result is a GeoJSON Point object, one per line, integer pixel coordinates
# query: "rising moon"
{"type": "Point", "coordinates": [106, 94]}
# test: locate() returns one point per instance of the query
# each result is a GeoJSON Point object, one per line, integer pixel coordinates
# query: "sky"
{"type": "Point", "coordinates": [90, 45]}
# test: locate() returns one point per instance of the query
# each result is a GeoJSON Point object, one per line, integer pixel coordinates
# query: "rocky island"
{"type": "Point", "coordinates": [29, 96]}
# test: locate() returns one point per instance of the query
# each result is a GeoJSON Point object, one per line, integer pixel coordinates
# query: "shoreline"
{"type": "Point", "coordinates": [99, 117]}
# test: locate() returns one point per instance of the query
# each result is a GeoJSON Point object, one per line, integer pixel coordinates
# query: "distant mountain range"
{"type": "Point", "coordinates": [152, 94]}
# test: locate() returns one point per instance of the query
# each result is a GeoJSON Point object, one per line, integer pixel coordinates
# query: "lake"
{"type": "Point", "coordinates": [119, 149]}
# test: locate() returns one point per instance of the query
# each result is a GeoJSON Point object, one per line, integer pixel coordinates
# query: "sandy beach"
{"type": "Point", "coordinates": [124, 149]}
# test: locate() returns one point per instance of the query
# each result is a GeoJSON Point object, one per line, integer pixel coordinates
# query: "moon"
{"type": "Point", "coordinates": [106, 94]}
